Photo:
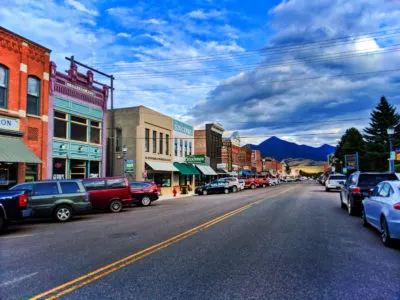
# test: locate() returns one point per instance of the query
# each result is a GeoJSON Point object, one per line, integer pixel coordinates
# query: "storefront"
{"type": "Point", "coordinates": [76, 125]}
{"type": "Point", "coordinates": [185, 179]}
{"type": "Point", "coordinates": [160, 173]}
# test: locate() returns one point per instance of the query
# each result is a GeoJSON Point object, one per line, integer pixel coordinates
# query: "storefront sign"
{"type": "Point", "coordinates": [58, 176]}
{"type": "Point", "coordinates": [246, 168]}
{"type": "Point", "coordinates": [182, 128]}
{"type": "Point", "coordinates": [196, 159]}
{"type": "Point", "coordinates": [351, 161]}
{"type": "Point", "coordinates": [398, 154]}
{"type": "Point", "coordinates": [9, 123]}
{"type": "Point", "coordinates": [79, 88]}
{"type": "Point", "coordinates": [130, 165]}
{"type": "Point", "coordinates": [221, 166]}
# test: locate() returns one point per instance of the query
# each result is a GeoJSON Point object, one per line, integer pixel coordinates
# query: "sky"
{"type": "Point", "coordinates": [302, 70]}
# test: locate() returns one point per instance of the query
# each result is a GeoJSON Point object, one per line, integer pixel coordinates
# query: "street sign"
{"type": "Point", "coordinates": [351, 161]}
{"type": "Point", "coordinates": [130, 165]}
{"type": "Point", "coordinates": [398, 154]}
{"type": "Point", "coordinates": [330, 159]}
{"type": "Point", "coordinates": [392, 155]}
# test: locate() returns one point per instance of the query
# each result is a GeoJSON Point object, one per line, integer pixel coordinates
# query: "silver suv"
{"type": "Point", "coordinates": [234, 184]}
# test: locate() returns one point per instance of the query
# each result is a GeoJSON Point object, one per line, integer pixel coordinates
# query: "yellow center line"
{"type": "Point", "coordinates": [110, 268]}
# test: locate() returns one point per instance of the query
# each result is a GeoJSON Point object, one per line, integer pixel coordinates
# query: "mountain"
{"type": "Point", "coordinates": [280, 149]}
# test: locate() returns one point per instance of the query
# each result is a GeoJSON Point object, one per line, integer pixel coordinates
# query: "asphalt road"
{"type": "Point", "coordinates": [286, 242]}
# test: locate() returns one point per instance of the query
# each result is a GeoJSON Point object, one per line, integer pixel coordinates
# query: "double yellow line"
{"type": "Point", "coordinates": [101, 272]}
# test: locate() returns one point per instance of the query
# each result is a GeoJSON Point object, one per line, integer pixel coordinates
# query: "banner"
{"type": "Point", "coordinates": [196, 159]}
{"type": "Point", "coordinates": [351, 161]}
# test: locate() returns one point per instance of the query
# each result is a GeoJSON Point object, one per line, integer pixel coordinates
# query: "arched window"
{"type": "Point", "coordinates": [33, 99]}
{"type": "Point", "coordinates": [3, 86]}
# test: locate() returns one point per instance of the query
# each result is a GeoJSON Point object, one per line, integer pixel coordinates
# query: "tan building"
{"type": "Point", "coordinates": [147, 137]}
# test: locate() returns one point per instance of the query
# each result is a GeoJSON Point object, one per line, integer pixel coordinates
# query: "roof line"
{"type": "Point", "coordinates": [25, 39]}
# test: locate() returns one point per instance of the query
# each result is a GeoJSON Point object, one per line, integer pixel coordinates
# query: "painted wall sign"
{"type": "Point", "coordinates": [79, 88]}
{"type": "Point", "coordinates": [182, 128]}
{"type": "Point", "coordinates": [9, 123]}
{"type": "Point", "coordinates": [196, 159]}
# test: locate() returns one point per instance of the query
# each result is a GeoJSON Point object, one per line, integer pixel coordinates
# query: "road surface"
{"type": "Point", "coordinates": [287, 242]}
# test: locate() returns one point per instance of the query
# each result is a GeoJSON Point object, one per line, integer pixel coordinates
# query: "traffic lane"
{"type": "Point", "coordinates": [61, 252]}
{"type": "Point", "coordinates": [299, 245]}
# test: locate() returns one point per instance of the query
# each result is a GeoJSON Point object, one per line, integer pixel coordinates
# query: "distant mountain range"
{"type": "Point", "coordinates": [280, 149]}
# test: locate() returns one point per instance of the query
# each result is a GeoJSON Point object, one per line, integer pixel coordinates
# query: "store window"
{"type": "Point", "coordinates": [59, 168]}
{"type": "Point", "coordinates": [60, 125]}
{"type": "Point", "coordinates": [161, 143]}
{"type": "Point", "coordinates": [31, 172]}
{"type": "Point", "coordinates": [8, 175]}
{"type": "Point", "coordinates": [78, 129]}
{"type": "Point", "coordinates": [33, 97]}
{"type": "Point", "coordinates": [154, 141]}
{"type": "Point", "coordinates": [147, 140]}
{"type": "Point", "coordinates": [3, 86]}
{"type": "Point", "coordinates": [95, 136]}
{"type": "Point", "coordinates": [94, 171]}
{"type": "Point", "coordinates": [77, 169]}
{"type": "Point", "coordinates": [161, 180]}
{"type": "Point", "coordinates": [167, 144]}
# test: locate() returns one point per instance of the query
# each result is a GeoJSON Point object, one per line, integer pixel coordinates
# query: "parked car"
{"type": "Point", "coordinates": [335, 182]}
{"type": "Point", "coordinates": [241, 184]}
{"type": "Point", "coordinates": [274, 181]}
{"type": "Point", "coordinates": [13, 206]}
{"type": "Point", "coordinates": [112, 193]}
{"type": "Point", "coordinates": [261, 181]}
{"type": "Point", "coordinates": [358, 186]}
{"type": "Point", "coordinates": [382, 210]}
{"type": "Point", "coordinates": [144, 192]}
{"type": "Point", "coordinates": [60, 199]}
{"type": "Point", "coordinates": [233, 183]}
{"type": "Point", "coordinates": [216, 187]}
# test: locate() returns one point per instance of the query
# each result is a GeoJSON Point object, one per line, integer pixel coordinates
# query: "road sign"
{"type": "Point", "coordinates": [392, 155]}
{"type": "Point", "coordinates": [351, 161]}
{"type": "Point", "coordinates": [130, 165]}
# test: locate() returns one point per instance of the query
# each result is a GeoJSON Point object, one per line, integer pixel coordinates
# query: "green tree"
{"type": "Point", "coordinates": [377, 141]}
{"type": "Point", "coordinates": [287, 168]}
{"type": "Point", "coordinates": [350, 143]}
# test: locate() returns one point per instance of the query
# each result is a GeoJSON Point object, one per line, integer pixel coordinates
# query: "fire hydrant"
{"type": "Point", "coordinates": [174, 191]}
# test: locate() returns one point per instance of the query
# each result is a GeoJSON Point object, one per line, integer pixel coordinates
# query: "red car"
{"type": "Point", "coordinates": [144, 192]}
{"type": "Point", "coordinates": [111, 193]}
{"type": "Point", "coordinates": [261, 181]}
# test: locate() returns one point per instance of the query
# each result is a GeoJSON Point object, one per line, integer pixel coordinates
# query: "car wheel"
{"type": "Point", "coordinates": [253, 186]}
{"type": "Point", "coordinates": [145, 201]}
{"type": "Point", "coordinates": [385, 235]}
{"type": "Point", "coordinates": [342, 205]}
{"type": "Point", "coordinates": [350, 209]}
{"type": "Point", "coordinates": [226, 191]}
{"type": "Point", "coordinates": [234, 189]}
{"type": "Point", "coordinates": [115, 206]}
{"type": "Point", "coordinates": [364, 217]}
{"type": "Point", "coordinates": [205, 193]}
{"type": "Point", "coordinates": [326, 189]}
{"type": "Point", "coordinates": [63, 213]}
{"type": "Point", "coordinates": [264, 185]}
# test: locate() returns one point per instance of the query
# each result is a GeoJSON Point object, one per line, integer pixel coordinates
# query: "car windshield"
{"type": "Point", "coordinates": [338, 177]}
{"type": "Point", "coordinates": [374, 179]}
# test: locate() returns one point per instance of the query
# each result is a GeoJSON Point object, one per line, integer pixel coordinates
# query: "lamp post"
{"type": "Point", "coordinates": [390, 132]}
{"type": "Point", "coordinates": [124, 151]}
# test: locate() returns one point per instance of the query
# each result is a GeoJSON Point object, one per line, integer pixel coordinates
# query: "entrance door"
{"type": "Point", "coordinates": [78, 168]}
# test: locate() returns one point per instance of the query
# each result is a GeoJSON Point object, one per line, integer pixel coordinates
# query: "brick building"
{"type": "Point", "coordinates": [245, 158]}
{"type": "Point", "coordinates": [209, 143]}
{"type": "Point", "coordinates": [256, 164]}
{"type": "Point", "coordinates": [24, 86]}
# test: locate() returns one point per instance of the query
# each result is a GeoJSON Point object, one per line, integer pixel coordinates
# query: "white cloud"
{"type": "Point", "coordinates": [154, 22]}
{"type": "Point", "coordinates": [124, 34]}
{"type": "Point", "coordinates": [79, 6]}
{"type": "Point", "coordinates": [202, 15]}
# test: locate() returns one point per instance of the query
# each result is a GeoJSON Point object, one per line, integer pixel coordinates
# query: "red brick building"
{"type": "Point", "coordinates": [245, 158]}
{"type": "Point", "coordinates": [256, 164]}
{"type": "Point", "coordinates": [24, 95]}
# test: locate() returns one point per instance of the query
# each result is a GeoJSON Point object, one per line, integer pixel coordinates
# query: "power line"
{"type": "Point", "coordinates": [265, 81]}
{"type": "Point", "coordinates": [281, 48]}
{"type": "Point", "coordinates": [277, 62]}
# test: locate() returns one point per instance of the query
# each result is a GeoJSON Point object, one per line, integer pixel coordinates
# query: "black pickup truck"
{"type": "Point", "coordinates": [13, 205]}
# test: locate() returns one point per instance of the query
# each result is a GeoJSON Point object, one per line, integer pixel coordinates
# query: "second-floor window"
{"type": "Point", "coordinates": [78, 129]}
{"type": "Point", "coordinates": [161, 143]}
{"type": "Point", "coordinates": [3, 86]}
{"type": "Point", "coordinates": [186, 147]}
{"type": "Point", "coordinates": [154, 141]}
{"type": "Point", "coordinates": [60, 125]}
{"type": "Point", "coordinates": [147, 140]}
{"type": "Point", "coordinates": [190, 148]}
{"type": "Point", "coordinates": [181, 148]}
{"type": "Point", "coordinates": [95, 136]}
{"type": "Point", "coordinates": [118, 144]}
{"type": "Point", "coordinates": [176, 147]}
{"type": "Point", "coordinates": [167, 144]}
{"type": "Point", "coordinates": [33, 97]}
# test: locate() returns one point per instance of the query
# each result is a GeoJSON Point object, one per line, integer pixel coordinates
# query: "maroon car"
{"type": "Point", "coordinates": [111, 193]}
{"type": "Point", "coordinates": [144, 192]}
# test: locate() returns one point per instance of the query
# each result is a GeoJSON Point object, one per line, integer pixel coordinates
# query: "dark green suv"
{"type": "Point", "coordinates": [60, 199]}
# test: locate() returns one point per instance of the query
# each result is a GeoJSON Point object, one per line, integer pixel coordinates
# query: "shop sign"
{"type": "Point", "coordinates": [246, 168]}
{"type": "Point", "coordinates": [9, 123]}
{"type": "Point", "coordinates": [58, 176]}
{"type": "Point", "coordinates": [182, 128]}
{"type": "Point", "coordinates": [196, 159]}
{"type": "Point", "coordinates": [351, 161]}
{"type": "Point", "coordinates": [3, 176]}
{"type": "Point", "coordinates": [79, 88]}
{"type": "Point", "coordinates": [221, 166]}
{"type": "Point", "coordinates": [398, 154]}
{"type": "Point", "coordinates": [130, 165]}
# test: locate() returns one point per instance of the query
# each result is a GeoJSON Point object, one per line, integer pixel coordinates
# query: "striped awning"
{"type": "Point", "coordinates": [186, 169]}
{"type": "Point", "coordinates": [206, 170]}
{"type": "Point", "coordinates": [161, 166]}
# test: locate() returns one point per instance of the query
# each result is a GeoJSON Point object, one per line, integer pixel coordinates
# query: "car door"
{"type": "Point", "coordinates": [368, 203]}
{"type": "Point", "coordinates": [137, 189]}
{"type": "Point", "coordinates": [44, 196]}
{"type": "Point", "coordinates": [379, 203]}
{"type": "Point", "coordinates": [97, 193]}
{"type": "Point", "coordinates": [345, 189]}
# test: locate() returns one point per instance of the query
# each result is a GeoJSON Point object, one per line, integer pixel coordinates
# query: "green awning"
{"type": "Point", "coordinates": [12, 149]}
{"type": "Point", "coordinates": [186, 169]}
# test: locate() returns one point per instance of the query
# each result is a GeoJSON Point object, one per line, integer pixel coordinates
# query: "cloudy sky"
{"type": "Point", "coordinates": [302, 70]}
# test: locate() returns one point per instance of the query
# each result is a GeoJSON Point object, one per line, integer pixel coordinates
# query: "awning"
{"type": "Point", "coordinates": [186, 169]}
{"type": "Point", "coordinates": [206, 170]}
{"type": "Point", "coordinates": [221, 172]}
{"type": "Point", "coordinates": [245, 173]}
{"type": "Point", "coordinates": [161, 166]}
{"type": "Point", "coordinates": [12, 149]}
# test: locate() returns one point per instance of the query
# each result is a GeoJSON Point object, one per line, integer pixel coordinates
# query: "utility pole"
{"type": "Point", "coordinates": [111, 87]}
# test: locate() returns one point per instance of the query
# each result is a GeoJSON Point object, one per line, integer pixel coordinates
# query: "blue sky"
{"type": "Point", "coordinates": [198, 60]}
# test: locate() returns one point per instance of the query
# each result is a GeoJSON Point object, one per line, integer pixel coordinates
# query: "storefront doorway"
{"type": "Point", "coordinates": [8, 175]}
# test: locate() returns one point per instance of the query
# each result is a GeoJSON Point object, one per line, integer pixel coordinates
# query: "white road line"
{"type": "Point", "coordinates": [15, 280]}
{"type": "Point", "coordinates": [16, 236]}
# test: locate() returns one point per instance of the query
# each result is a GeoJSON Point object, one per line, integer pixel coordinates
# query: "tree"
{"type": "Point", "coordinates": [350, 143]}
{"type": "Point", "coordinates": [287, 168]}
{"type": "Point", "coordinates": [377, 141]}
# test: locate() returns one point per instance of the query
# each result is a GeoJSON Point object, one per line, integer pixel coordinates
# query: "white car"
{"type": "Point", "coordinates": [241, 184]}
{"type": "Point", "coordinates": [273, 181]}
{"type": "Point", "coordinates": [233, 183]}
{"type": "Point", "coordinates": [335, 182]}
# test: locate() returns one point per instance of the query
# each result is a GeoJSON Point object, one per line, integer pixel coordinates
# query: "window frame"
{"type": "Point", "coordinates": [154, 141]}
{"type": "Point", "coordinates": [147, 140]}
{"type": "Point", "coordinates": [62, 120]}
{"type": "Point", "coordinates": [38, 104]}
{"type": "Point", "coordinates": [79, 124]}
{"type": "Point", "coordinates": [7, 84]}
{"type": "Point", "coordinates": [161, 141]}
{"type": "Point", "coordinates": [95, 127]}
{"type": "Point", "coordinates": [167, 144]}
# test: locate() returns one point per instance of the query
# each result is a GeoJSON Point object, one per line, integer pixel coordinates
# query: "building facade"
{"type": "Point", "coordinates": [245, 158]}
{"type": "Point", "coordinates": [24, 98]}
{"type": "Point", "coordinates": [231, 152]}
{"type": "Point", "coordinates": [209, 143]}
{"type": "Point", "coordinates": [146, 135]}
{"type": "Point", "coordinates": [77, 119]}
{"type": "Point", "coordinates": [256, 164]}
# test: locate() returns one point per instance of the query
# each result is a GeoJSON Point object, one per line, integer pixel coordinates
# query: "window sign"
{"type": "Point", "coordinates": [3, 176]}
{"type": "Point", "coordinates": [130, 165]}
{"type": "Point", "coordinates": [8, 123]}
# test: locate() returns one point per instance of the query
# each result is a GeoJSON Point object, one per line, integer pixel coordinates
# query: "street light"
{"type": "Point", "coordinates": [124, 151]}
{"type": "Point", "coordinates": [390, 132]}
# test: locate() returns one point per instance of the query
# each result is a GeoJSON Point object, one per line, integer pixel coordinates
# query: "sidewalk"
{"type": "Point", "coordinates": [167, 197]}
